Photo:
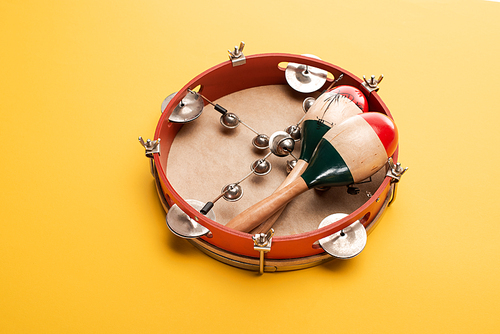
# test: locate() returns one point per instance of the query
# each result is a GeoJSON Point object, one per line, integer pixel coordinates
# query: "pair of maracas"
{"type": "Point", "coordinates": [342, 144]}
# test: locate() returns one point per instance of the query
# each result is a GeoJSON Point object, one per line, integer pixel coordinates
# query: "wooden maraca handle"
{"type": "Point", "coordinates": [266, 226]}
{"type": "Point", "coordinates": [256, 214]}
{"type": "Point", "coordinates": [299, 168]}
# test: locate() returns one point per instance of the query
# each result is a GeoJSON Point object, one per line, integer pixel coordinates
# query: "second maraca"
{"type": "Point", "coordinates": [348, 153]}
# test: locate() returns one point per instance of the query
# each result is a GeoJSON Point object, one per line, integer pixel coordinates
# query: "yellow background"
{"type": "Point", "coordinates": [83, 243]}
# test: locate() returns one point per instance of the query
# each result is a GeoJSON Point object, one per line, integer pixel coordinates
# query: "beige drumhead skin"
{"type": "Point", "coordinates": [198, 173]}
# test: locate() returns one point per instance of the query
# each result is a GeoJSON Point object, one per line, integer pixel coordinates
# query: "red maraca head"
{"type": "Point", "coordinates": [385, 129]}
{"type": "Point", "coordinates": [353, 94]}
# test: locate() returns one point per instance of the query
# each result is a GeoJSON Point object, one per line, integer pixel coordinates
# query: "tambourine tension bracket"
{"type": "Point", "coordinates": [395, 171]}
{"type": "Point", "coordinates": [371, 85]}
{"type": "Point", "coordinates": [151, 147]}
{"type": "Point", "coordinates": [237, 57]}
{"type": "Point", "coordinates": [262, 244]}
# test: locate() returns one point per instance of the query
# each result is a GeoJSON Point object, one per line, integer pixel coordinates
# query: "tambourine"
{"type": "Point", "coordinates": [229, 138]}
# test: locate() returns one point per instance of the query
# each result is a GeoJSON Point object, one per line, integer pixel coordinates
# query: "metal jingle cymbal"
{"type": "Point", "coordinates": [261, 167]}
{"type": "Point", "coordinates": [229, 120]}
{"type": "Point", "coordinates": [167, 101]}
{"type": "Point", "coordinates": [290, 165]}
{"type": "Point", "coordinates": [232, 192]}
{"type": "Point", "coordinates": [344, 244]}
{"type": "Point", "coordinates": [307, 104]}
{"type": "Point", "coordinates": [281, 144]}
{"type": "Point", "coordinates": [261, 142]}
{"type": "Point", "coordinates": [181, 225]}
{"type": "Point", "coordinates": [188, 109]}
{"type": "Point", "coordinates": [303, 78]}
{"type": "Point", "coordinates": [294, 132]}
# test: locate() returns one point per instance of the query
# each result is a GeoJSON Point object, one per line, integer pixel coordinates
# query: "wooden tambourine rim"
{"type": "Point", "coordinates": [224, 79]}
{"type": "Point", "coordinates": [270, 265]}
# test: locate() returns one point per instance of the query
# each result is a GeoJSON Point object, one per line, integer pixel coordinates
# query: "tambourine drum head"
{"type": "Point", "coordinates": [199, 158]}
{"type": "Point", "coordinates": [198, 172]}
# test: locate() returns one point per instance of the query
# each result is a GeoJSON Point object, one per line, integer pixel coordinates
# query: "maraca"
{"type": "Point", "coordinates": [350, 152]}
{"type": "Point", "coordinates": [330, 109]}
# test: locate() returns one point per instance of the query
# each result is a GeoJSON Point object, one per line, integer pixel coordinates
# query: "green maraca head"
{"type": "Point", "coordinates": [312, 132]}
{"type": "Point", "coordinates": [352, 151]}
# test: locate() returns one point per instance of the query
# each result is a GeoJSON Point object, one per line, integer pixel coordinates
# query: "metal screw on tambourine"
{"type": "Point", "coordinates": [263, 239]}
{"type": "Point", "coordinates": [237, 50]}
{"type": "Point", "coordinates": [394, 171]}
{"type": "Point", "coordinates": [230, 121]}
{"type": "Point", "coordinates": [152, 147]}
{"type": "Point", "coordinates": [237, 57]}
{"type": "Point", "coordinates": [372, 84]}
{"type": "Point", "coordinates": [233, 191]}
{"type": "Point", "coordinates": [262, 244]}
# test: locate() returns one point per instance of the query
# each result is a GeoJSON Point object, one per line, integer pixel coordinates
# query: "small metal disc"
{"type": "Point", "coordinates": [261, 142]}
{"type": "Point", "coordinates": [281, 144]}
{"type": "Point", "coordinates": [305, 79]}
{"type": "Point", "coordinates": [344, 244]}
{"type": "Point", "coordinates": [290, 165]}
{"type": "Point", "coordinates": [307, 104]}
{"type": "Point", "coordinates": [234, 192]}
{"type": "Point", "coordinates": [294, 132]}
{"type": "Point", "coordinates": [229, 120]}
{"type": "Point", "coordinates": [167, 100]}
{"type": "Point", "coordinates": [261, 167]}
{"type": "Point", "coordinates": [181, 225]}
{"type": "Point", "coordinates": [188, 109]}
